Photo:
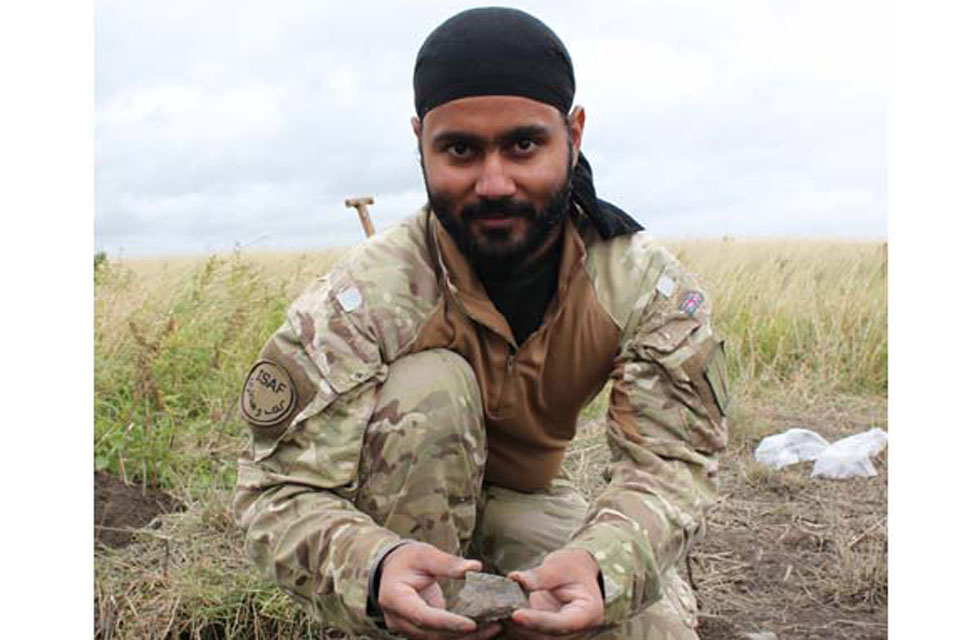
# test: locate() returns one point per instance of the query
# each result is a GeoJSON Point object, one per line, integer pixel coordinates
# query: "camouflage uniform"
{"type": "Point", "coordinates": [374, 419]}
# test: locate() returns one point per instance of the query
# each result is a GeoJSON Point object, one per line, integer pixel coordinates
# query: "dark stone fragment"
{"type": "Point", "coordinates": [486, 597]}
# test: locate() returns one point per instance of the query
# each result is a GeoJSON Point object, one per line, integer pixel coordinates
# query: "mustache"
{"type": "Point", "coordinates": [486, 208]}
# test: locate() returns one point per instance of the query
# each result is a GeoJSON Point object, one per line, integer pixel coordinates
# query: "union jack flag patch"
{"type": "Point", "coordinates": [690, 302]}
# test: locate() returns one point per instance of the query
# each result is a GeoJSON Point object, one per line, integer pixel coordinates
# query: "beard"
{"type": "Point", "coordinates": [496, 252]}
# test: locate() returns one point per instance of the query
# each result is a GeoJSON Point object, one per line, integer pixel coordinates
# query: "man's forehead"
{"type": "Point", "coordinates": [490, 115]}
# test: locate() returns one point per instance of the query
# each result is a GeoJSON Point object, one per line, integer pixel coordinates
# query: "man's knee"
{"type": "Point", "coordinates": [425, 449]}
{"type": "Point", "coordinates": [430, 401]}
{"type": "Point", "coordinates": [516, 530]}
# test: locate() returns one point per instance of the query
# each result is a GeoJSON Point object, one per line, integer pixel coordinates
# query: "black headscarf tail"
{"type": "Point", "coordinates": [609, 219]}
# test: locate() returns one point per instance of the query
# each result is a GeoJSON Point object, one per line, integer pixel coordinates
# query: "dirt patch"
{"type": "Point", "coordinates": [119, 509]}
{"type": "Point", "coordinates": [802, 557]}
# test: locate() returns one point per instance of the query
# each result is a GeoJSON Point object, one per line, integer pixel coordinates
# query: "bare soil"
{"type": "Point", "coordinates": [802, 557]}
{"type": "Point", "coordinates": [120, 509]}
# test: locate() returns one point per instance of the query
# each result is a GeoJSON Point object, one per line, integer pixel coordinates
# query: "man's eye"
{"type": "Point", "coordinates": [525, 145]}
{"type": "Point", "coordinates": [459, 150]}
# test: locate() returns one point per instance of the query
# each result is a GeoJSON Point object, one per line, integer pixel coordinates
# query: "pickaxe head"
{"type": "Point", "coordinates": [360, 204]}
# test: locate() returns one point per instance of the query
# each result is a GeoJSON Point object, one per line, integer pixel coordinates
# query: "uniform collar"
{"type": "Point", "coordinates": [464, 286]}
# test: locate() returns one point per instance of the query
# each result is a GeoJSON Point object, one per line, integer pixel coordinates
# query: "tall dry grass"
{"type": "Point", "coordinates": [810, 314]}
{"type": "Point", "coordinates": [173, 338]}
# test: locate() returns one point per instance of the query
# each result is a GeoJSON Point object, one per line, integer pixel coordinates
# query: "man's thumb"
{"type": "Point", "coordinates": [449, 566]}
{"type": "Point", "coordinates": [529, 580]}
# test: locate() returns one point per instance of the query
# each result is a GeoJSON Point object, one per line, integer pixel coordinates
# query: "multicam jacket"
{"type": "Point", "coordinates": [625, 311]}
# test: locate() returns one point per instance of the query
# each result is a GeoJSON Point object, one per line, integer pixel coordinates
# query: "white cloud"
{"type": "Point", "coordinates": [221, 121]}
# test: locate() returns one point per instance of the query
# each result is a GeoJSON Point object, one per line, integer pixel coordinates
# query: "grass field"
{"type": "Point", "coordinates": [805, 324]}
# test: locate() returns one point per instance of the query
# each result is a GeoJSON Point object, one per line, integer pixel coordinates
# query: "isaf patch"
{"type": "Point", "coordinates": [269, 396]}
{"type": "Point", "coordinates": [690, 302]}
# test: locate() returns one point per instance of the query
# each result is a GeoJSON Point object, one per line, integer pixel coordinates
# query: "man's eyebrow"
{"type": "Point", "coordinates": [518, 133]}
{"type": "Point", "coordinates": [525, 131]}
{"type": "Point", "coordinates": [444, 138]}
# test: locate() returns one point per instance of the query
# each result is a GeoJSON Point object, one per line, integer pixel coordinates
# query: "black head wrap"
{"type": "Point", "coordinates": [492, 51]}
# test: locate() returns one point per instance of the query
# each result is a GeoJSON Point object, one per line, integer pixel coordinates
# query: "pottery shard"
{"type": "Point", "coordinates": [485, 597]}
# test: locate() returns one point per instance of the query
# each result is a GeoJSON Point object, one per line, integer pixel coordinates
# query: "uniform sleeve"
{"type": "Point", "coordinates": [665, 426]}
{"type": "Point", "coordinates": [307, 401]}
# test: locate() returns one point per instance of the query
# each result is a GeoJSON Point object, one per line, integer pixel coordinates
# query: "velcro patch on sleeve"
{"type": "Point", "coordinates": [666, 285]}
{"type": "Point", "coordinates": [269, 395]}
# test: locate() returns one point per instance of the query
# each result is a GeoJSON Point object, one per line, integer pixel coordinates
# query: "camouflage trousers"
{"type": "Point", "coordinates": [421, 475]}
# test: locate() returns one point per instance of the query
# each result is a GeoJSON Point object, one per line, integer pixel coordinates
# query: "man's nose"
{"type": "Point", "coordinates": [494, 180]}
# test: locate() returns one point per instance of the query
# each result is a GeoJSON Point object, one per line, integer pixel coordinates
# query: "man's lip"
{"type": "Point", "coordinates": [497, 222]}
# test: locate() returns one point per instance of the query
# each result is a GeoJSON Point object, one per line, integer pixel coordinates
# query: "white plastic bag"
{"type": "Point", "coordinates": [789, 447]}
{"type": "Point", "coordinates": [850, 457]}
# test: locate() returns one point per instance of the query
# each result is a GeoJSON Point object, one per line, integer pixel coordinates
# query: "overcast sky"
{"type": "Point", "coordinates": [226, 122]}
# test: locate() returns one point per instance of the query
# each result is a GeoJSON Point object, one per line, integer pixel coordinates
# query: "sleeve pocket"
{"type": "Point", "coordinates": [334, 337]}
{"type": "Point", "coordinates": [265, 441]}
{"type": "Point", "coordinates": [715, 372]}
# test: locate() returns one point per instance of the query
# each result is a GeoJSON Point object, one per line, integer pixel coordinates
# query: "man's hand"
{"type": "Point", "coordinates": [412, 602]}
{"type": "Point", "coordinates": [565, 598]}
